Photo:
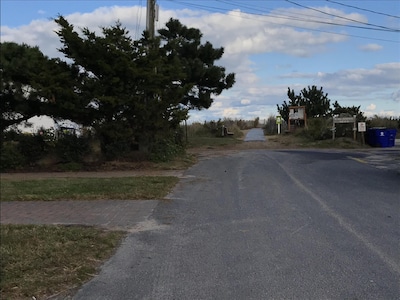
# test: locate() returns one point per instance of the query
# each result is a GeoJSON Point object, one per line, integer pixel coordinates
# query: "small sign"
{"type": "Point", "coordinates": [344, 120]}
{"type": "Point", "coordinates": [278, 120]}
{"type": "Point", "coordinates": [362, 127]}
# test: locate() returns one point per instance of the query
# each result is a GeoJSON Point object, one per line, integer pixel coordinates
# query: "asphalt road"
{"type": "Point", "coordinates": [265, 224]}
{"type": "Point", "coordinates": [254, 135]}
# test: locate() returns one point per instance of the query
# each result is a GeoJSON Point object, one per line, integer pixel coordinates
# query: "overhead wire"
{"type": "Point", "coordinates": [364, 9]}
{"type": "Point", "coordinates": [138, 19]}
{"type": "Point", "coordinates": [383, 28]}
{"type": "Point", "coordinates": [316, 21]}
{"type": "Point", "coordinates": [223, 10]}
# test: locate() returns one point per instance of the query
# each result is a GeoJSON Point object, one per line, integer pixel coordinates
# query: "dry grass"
{"type": "Point", "coordinates": [40, 261]}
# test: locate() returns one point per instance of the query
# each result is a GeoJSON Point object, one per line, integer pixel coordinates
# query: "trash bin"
{"type": "Point", "coordinates": [391, 136]}
{"type": "Point", "coordinates": [378, 137]}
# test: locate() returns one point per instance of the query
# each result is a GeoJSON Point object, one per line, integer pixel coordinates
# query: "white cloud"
{"type": "Point", "coordinates": [231, 113]}
{"type": "Point", "coordinates": [363, 80]}
{"type": "Point", "coordinates": [373, 110]}
{"type": "Point", "coordinates": [371, 47]}
{"type": "Point", "coordinates": [245, 101]}
{"type": "Point", "coordinates": [396, 96]}
{"type": "Point", "coordinates": [41, 32]}
{"type": "Point", "coordinates": [216, 105]}
{"type": "Point", "coordinates": [251, 34]}
{"type": "Point", "coordinates": [38, 33]}
{"type": "Point", "coordinates": [388, 113]}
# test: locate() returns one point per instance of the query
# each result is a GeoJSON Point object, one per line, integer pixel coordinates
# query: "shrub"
{"type": "Point", "coordinates": [317, 129]}
{"type": "Point", "coordinates": [388, 122]}
{"type": "Point", "coordinates": [20, 150]}
{"type": "Point", "coordinates": [116, 139]}
{"type": "Point", "coordinates": [10, 157]}
{"type": "Point", "coordinates": [256, 122]}
{"type": "Point", "coordinates": [71, 148]}
{"type": "Point", "coordinates": [237, 132]}
{"type": "Point", "coordinates": [32, 147]}
{"type": "Point", "coordinates": [271, 128]}
{"type": "Point", "coordinates": [214, 128]}
{"type": "Point", "coordinates": [71, 167]}
{"type": "Point", "coordinates": [164, 150]}
{"type": "Point", "coordinates": [196, 129]}
{"type": "Point", "coordinates": [242, 124]}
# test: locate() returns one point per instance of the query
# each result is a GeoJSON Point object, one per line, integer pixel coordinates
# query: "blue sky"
{"type": "Point", "coordinates": [350, 48]}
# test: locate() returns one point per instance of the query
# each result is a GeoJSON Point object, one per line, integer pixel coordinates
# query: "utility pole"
{"type": "Point", "coordinates": [151, 17]}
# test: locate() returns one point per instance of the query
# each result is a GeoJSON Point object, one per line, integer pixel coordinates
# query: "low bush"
{"type": "Point", "coordinates": [214, 128]}
{"type": "Point", "coordinates": [71, 148]}
{"type": "Point", "coordinates": [10, 157]}
{"type": "Point", "coordinates": [317, 129]}
{"type": "Point", "coordinates": [164, 150]}
{"type": "Point", "coordinates": [271, 128]}
{"type": "Point", "coordinates": [23, 150]}
{"type": "Point", "coordinates": [33, 147]}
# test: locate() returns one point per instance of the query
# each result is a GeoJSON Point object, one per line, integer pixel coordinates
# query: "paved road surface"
{"type": "Point", "coordinates": [266, 225]}
{"type": "Point", "coordinates": [255, 134]}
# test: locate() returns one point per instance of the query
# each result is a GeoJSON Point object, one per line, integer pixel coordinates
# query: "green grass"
{"type": "Point", "coordinates": [130, 188]}
{"type": "Point", "coordinates": [40, 261]}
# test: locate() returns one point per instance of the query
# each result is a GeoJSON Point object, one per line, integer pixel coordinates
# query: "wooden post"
{"type": "Point", "coordinates": [186, 131]}
{"type": "Point", "coordinates": [362, 128]}
{"type": "Point", "coordinates": [151, 17]}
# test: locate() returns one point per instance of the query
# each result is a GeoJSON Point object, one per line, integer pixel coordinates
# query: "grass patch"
{"type": "Point", "coordinates": [301, 141]}
{"type": "Point", "coordinates": [181, 162]}
{"type": "Point", "coordinates": [40, 261]}
{"type": "Point", "coordinates": [288, 141]}
{"type": "Point", "coordinates": [128, 188]}
{"type": "Point", "coordinates": [338, 143]}
{"type": "Point", "coordinates": [212, 142]}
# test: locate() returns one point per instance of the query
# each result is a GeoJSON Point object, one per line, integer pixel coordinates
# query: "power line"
{"type": "Point", "coordinates": [138, 19]}
{"type": "Point", "coordinates": [218, 9]}
{"type": "Point", "coordinates": [308, 20]}
{"type": "Point", "coordinates": [364, 9]}
{"type": "Point", "coordinates": [344, 18]}
{"type": "Point", "coordinates": [315, 21]}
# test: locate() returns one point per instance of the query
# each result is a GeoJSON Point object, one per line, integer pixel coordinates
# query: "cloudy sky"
{"type": "Point", "coordinates": [350, 48]}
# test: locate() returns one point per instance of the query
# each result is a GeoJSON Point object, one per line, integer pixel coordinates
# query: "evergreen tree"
{"type": "Point", "coordinates": [201, 77]}
{"type": "Point", "coordinates": [348, 110]}
{"type": "Point", "coordinates": [145, 86]}
{"type": "Point", "coordinates": [31, 83]}
{"type": "Point", "coordinates": [316, 102]}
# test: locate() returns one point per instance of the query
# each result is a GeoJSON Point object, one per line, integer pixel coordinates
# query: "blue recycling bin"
{"type": "Point", "coordinates": [381, 137]}
{"type": "Point", "coordinates": [391, 136]}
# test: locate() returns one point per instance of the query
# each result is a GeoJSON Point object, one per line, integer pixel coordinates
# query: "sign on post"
{"type": "Point", "coordinates": [343, 120]}
{"type": "Point", "coordinates": [279, 122]}
{"type": "Point", "coordinates": [362, 127]}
